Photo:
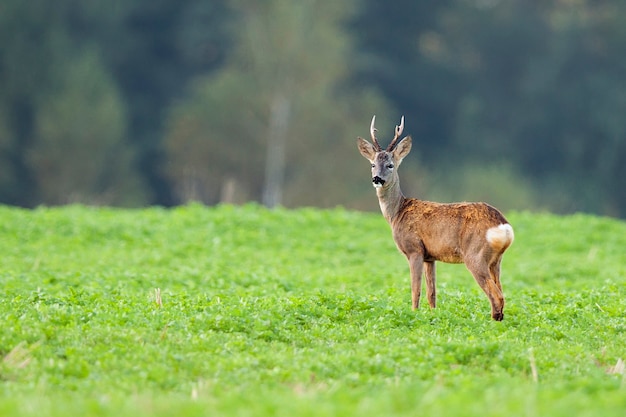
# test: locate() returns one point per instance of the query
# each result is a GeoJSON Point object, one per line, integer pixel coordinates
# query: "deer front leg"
{"type": "Point", "coordinates": [431, 292]}
{"type": "Point", "coordinates": [416, 264]}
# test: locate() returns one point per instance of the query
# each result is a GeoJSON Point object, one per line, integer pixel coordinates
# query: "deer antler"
{"type": "Point", "coordinates": [398, 132]}
{"type": "Point", "coordinates": [373, 135]}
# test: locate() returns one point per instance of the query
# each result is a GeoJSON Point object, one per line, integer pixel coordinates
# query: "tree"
{"type": "Point", "coordinates": [535, 87]}
{"type": "Point", "coordinates": [146, 51]}
{"type": "Point", "coordinates": [154, 49]}
{"type": "Point", "coordinates": [28, 36]}
{"type": "Point", "coordinates": [547, 93]}
{"type": "Point", "coordinates": [79, 152]}
{"type": "Point", "coordinates": [402, 51]}
{"type": "Point", "coordinates": [281, 102]}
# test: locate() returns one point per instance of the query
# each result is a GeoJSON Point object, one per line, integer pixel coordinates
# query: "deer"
{"type": "Point", "coordinates": [475, 234]}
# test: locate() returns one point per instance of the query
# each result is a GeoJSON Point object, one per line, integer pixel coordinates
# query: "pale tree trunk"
{"type": "Point", "coordinates": [229, 188]}
{"type": "Point", "coordinates": [276, 150]}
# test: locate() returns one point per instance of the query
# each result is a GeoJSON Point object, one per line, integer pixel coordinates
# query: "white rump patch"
{"type": "Point", "coordinates": [500, 237]}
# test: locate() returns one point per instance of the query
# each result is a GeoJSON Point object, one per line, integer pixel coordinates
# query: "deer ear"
{"type": "Point", "coordinates": [402, 149]}
{"type": "Point", "coordinates": [366, 149]}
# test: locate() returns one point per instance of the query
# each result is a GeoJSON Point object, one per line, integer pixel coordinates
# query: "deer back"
{"type": "Point", "coordinates": [443, 232]}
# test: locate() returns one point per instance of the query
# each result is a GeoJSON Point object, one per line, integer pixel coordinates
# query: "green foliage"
{"type": "Point", "coordinates": [500, 185]}
{"type": "Point", "coordinates": [534, 84]}
{"type": "Point", "coordinates": [86, 120]}
{"type": "Point", "coordinates": [241, 310]}
{"type": "Point", "coordinates": [199, 145]}
{"type": "Point", "coordinates": [294, 53]}
{"type": "Point", "coordinates": [5, 146]}
{"type": "Point", "coordinates": [97, 77]}
{"type": "Point", "coordinates": [238, 100]}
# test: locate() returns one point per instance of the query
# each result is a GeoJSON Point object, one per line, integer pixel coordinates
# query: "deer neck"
{"type": "Point", "coordinates": [390, 199]}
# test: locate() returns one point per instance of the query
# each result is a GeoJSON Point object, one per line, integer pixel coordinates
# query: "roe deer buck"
{"type": "Point", "coordinates": [472, 233]}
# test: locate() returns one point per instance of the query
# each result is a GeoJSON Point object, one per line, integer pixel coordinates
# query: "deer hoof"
{"type": "Point", "coordinates": [497, 316]}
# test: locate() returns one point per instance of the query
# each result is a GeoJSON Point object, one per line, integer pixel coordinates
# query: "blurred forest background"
{"type": "Point", "coordinates": [140, 102]}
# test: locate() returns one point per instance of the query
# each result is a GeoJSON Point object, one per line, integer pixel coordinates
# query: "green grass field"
{"type": "Point", "coordinates": [241, 311]}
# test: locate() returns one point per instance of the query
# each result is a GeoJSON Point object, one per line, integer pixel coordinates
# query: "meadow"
{"type": "Point", "coordinates": [241, 311]}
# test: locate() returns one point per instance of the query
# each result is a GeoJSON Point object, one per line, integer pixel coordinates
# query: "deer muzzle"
{"type": "Point", "coordinates": [377, 181]}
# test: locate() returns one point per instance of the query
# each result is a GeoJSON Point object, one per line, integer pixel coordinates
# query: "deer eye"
{"type": "Point", "coordinates": [373, 166]}
{"type": "Point", "coordinates": [390, 166]}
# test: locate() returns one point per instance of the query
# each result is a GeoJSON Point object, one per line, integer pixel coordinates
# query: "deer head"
{"type": "Point", "coordinates": [385, 162]}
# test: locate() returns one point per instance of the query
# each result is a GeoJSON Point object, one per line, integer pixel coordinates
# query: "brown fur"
{"type": "Point", "coordinates": [475, 234]}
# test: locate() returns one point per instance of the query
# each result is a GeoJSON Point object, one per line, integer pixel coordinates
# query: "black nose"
{"type": "Point", "coordinates": [378, 180]}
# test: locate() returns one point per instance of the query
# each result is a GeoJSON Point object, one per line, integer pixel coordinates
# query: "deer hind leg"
{"type": "Point", "coordinates": [494, 272]}
{"type": "Point", "coordinates": [431, 292]}
{"type": "Point", "coordinates": [416, 261]}
{"type": "Point", "coordinates": [483, 275]}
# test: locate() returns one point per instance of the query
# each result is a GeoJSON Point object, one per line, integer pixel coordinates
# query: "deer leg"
{"type": "Point", "coordinates": [482, 275]}
{"type": "Point", "coordinates": [494, 272]}
{"type": "Point", "coordinates": [416, 264]}
{"type": "Point", "coordinates": [431, 292]}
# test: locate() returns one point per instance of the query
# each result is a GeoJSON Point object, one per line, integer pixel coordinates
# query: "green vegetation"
{"type": "Point", "coordinates": [246, 311]}
{"type": "Point", "coordinates": [160, 102]}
